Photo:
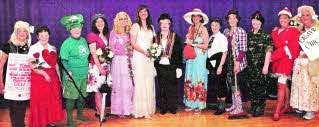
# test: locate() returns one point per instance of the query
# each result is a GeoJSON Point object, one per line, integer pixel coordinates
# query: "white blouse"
{"type": "Point", "coordinates": [220, 44]}
{"type": "Point", "coordinates": [37, 48]}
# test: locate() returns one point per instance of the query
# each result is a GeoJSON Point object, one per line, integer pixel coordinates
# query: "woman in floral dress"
{"type": "Point", "coordinates": [98, 70]}
{"type": "Point", "coordinates": [195, 86]}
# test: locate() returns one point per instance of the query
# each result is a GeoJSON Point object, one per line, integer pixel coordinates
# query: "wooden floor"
{"type": "Point", "coordinates": [187, 119]}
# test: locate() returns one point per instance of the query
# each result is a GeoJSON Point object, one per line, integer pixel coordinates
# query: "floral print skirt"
{"type": "Point", "coordinates": [95, 80]}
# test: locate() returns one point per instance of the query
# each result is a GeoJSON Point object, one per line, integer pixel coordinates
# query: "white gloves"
{"type": "Point", "coordinates": [178, 72]}
{"type": "Point", "coordinates": [109, 80]}
{"type": "Point", "coordinates": [154, 72]}
{"type": "Point", "coordinates": [213, 63]}
{"type": "Point", "coordinates": [164, 61]}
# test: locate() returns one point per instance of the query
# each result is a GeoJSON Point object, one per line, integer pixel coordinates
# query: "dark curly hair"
{"type": "Point", "coordinates": [96, 31]}
{"type": "Point", "coordinates": [148, 19]}
{"type": "Point", "coordinates": [42, 29]}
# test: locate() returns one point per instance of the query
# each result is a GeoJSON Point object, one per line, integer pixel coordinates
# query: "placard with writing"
{"type": "Point", "coordinates": [309, 42]}
{"type": "Point", "coordinates": [18, 77]}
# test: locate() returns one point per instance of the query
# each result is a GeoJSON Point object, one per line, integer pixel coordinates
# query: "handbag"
{"type": "Point", "coordinates": [189, 52]}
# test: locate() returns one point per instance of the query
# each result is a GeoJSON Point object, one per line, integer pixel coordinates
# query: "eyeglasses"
{"type": "Point", "coordinates": [122, 19]}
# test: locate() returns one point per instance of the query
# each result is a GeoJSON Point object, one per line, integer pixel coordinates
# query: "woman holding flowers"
{"type": "Point", "coordinates": [195, 86]}
{"type": "Point", "coordinates": [141, 35]}
{"type": "Point", "coordinates": [122, 85]}
{"type": "Point", "coordinates": [98, 68]}
{"type": "Point", "coordinates": [45, 99]}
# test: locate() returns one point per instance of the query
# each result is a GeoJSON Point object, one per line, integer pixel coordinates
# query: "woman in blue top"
{"type": "Point", "coordinates": [195, 86]}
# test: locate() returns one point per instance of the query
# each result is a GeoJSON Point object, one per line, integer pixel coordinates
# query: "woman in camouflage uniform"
{"type": "Point", "coordinates": [258, 42]}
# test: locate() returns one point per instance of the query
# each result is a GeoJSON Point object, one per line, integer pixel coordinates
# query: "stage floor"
{"type": "Point", "coordinates": [187, 119]}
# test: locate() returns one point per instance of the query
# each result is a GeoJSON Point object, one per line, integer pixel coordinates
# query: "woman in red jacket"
{"type": "Point", "coordinates": [285, 39]}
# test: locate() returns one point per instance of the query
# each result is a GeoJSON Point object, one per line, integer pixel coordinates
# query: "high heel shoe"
{"type": "Point", "coordinates": [276, 117]}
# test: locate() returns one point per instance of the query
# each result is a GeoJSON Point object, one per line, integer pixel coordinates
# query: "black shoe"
{"type": "Point", "coordinates": [103, 120]}
{"type": "Point", "coordinates": [48, 125]}
{"type": "Point", "coordinates": [97, 115]}
{"type": "Point", "coordinates": [257, 114]}
{"type": "Point", "coordinates": [251, 111]}
{"type": "Point", "coordinates": [173, 111]}
{"type": "Point", "coordinates": [219, 112]}
{"type": "Point", "coordinates": [163, 112]}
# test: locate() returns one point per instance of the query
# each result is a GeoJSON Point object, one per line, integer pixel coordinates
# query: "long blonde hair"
{"type": "Point", "coordinates": [25, 25]}
{"type": "Point", "coordinates": [116, 24]}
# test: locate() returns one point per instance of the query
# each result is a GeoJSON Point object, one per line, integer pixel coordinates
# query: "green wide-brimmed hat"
{"type": "Point", "coordinates": [72, 21]}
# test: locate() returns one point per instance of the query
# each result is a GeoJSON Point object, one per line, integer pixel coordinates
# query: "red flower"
{"type": "Point", "coordinates": [19, 95]}
{"type": "Point", "coordinates": [36, 55]}
{"type": "Point", "coordinates": [257, 15]}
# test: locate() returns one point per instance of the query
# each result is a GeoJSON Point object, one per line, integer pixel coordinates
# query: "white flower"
{"type": "Point", "coordinates": [102, 59]}
{"type": "Point", "coordinates": [111, 54]}
{"type": "Point", "coordinates": [160, 47]}
{"type": "Point", "coordinates": [99, 52]}
{"type": "Point", "coordinates": [155, 45]}
{"type": "Point", "coordinates": [73, 19]}
{"type": "Point", "coordinates": [31, 29]}
{"type": "Point", "coordinates": [153, 51]}
{"type": "Point", "coordinates": [159, 50]}
{"type": "Point", "coordinates": [158, 53]}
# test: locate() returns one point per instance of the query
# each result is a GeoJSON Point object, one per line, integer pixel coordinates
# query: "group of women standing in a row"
{"type": "Point", "coordinates": [235, 57]}
{"type": "Point", "coordinates": [226, 56]}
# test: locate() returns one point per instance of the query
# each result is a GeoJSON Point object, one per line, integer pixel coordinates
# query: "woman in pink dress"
{"type": "Point", "coordinates": [122, 86]}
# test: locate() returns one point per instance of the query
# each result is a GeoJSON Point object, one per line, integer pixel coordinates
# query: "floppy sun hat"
{"type": "Point", "coordinates": [196, 11]}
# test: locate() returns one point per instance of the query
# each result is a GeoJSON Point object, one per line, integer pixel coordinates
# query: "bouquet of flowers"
{"type": "Point", "coordinates": [129, 53]}
{"type": "Point", "coordinates": [155, 51]}
{"type": "Point", "coordinates": [105, 55]}
{"type": "Point", "coordinates": [37, 62]}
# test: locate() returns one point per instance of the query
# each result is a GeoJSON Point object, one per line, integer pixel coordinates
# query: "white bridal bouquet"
{"type": "Point", "coordinates": [105, 55]}
{"type": "Point", "coordinates": [155, 51]}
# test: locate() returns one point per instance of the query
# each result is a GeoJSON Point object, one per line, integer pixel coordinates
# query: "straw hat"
{"type": "Point", "coordinates": [196, 11]}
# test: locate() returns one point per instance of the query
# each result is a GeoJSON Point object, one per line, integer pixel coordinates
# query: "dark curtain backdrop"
{"type": "Point", "coordinates": [49, 12]}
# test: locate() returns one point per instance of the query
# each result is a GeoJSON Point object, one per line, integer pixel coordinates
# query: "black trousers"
{"type": "Point", "coordinates": [17, 111]}
{"type": "Point", "coordinates": [217, 84]}
{"type": "Point", "coordinates": [167, 82]}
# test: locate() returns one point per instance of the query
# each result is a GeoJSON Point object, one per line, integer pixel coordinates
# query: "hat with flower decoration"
{"type": "Point", "coordinates": [72, 21]}
{"type": "Point", "coordinates": [257, 15]}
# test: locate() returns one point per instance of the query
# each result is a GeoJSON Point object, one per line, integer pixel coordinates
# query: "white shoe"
{"type": "Point", "coordinates": [188, 109]}
{"type": "Point", "coordinates": [148, 117]}
{"type": "Point", "coordinates": [298, 111]}
{"type": "Point", "coordinates": [309, 115]}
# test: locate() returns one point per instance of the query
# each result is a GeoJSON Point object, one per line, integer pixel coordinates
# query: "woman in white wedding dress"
{"type": "Point", "coordinates": [142, 33]}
